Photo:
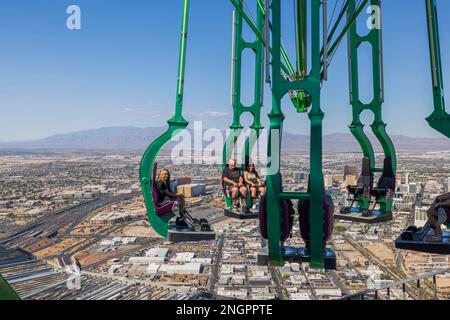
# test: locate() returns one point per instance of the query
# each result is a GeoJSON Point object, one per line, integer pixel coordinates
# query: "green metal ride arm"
{"type": "Point", "coordinates": [373, 38]}
{"type": "Point", "coordinates": [176, 125]}
{"type": "Point", "coordinates": [289, 69]}
{"type": "Point", "coordinates": [439, 119]}
{"type": "Point", "coordinates": [239, 45]}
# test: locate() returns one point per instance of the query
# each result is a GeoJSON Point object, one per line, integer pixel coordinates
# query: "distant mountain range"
{"type": "Point", "coordinates": [137, 139]}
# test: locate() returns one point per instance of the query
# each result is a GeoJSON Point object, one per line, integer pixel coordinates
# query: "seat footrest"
{"type": "Point", "coordinates": [414, 241]}
{"type": "Point", "coordinates": [359, 217]}
{"type": "Point", "coordinates": [298, 255]}
{"type": "Point", "coordinates": [188, 235]}
{"type": "Point", "coordinates": [252, 214]}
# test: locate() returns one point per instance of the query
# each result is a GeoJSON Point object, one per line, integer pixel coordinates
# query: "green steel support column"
{"type": "Point", "coordinates": [301, 99]}
{"type": "Point", "coordinates": [310, 84]}
{"type": "Point", "coordinates": [439, 119]}
{"type": "Point", "coordinates": [302, 37]}
{"type": "Point", "coordinates": [276, 116]}
{"type": "Point", "coordinates": [357, 128]}
{"type": "Point", "coordinates": [289, 69]}
{"type": "Point", "coordinates": [176, 125]}
{"type": "Point", "coordinates": [316, 116]}
{"type": "Point", "coordinates": [239, 109]}
{"type": "Point", "coordinates": [378, 127]}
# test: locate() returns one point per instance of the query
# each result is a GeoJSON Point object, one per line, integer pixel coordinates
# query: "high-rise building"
{"type": "Point", "coordinates": [448, 184]}
{"type": "Point", "coordinates": [398, 179]}
{"type": "Point", "coordinates": [328, 181]}
{"type": "Point", "coordinates": [404, 188]}
{"type": "Point", "coordinates": [299, 176]}
{"type": "Point", "coordinates": [405, 178]}
{"type": "Point", "coordinates": [350, 170]}
{"type": "Point", "coordinates": [191, 190]}
{"type": "Point", "coordinates": [339, 178]}
{"type": "Point", "coordinates": [420, 216]}
{"type": "Point", "coordinates": [414, 188]}
{"type": "Point", "coordinates": [350, 180]}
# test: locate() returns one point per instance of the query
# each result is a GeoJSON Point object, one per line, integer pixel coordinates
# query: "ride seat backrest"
{"type": "Point", "coordinates": [154, 191]}
{"type": "Point", "coordinates": [387, 179]}
{"type": "Point", "coordinates": [366, 177]}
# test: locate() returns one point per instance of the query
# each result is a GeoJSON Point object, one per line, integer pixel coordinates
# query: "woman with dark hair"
{"type": "Point", "coordinates": [439, 214]}
{"type": "Point", "coordinates": [251, 178]}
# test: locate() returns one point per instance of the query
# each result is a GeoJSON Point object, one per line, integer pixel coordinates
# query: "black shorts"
{"type": "Point", "coordinates": [229, 188]}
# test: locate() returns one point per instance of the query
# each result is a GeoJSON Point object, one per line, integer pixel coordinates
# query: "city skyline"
{"type": "Point", "coordinates": [120, 69]}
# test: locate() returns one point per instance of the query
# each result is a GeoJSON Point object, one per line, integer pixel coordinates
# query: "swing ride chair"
{"type": "Point", "coordinates": [242, 214]}
{"type": "Point", "coordinates": [373, 205]}
{"type": "Point", "coordinates": [239, 109]}
{"type": "Point", "coordinates": [415, 239]}
{"type": "Point", "coordinates": [363, 193]}
{"type": "Point", "coordinates": [160, 216]}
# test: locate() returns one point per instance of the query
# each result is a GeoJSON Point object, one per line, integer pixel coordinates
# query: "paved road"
{"type": "Point", "coordinates": [215, 272]}
{"type": "Point", "coordinates": [337, 282]}
{"type": "Point", "coordinates": [380, 265]}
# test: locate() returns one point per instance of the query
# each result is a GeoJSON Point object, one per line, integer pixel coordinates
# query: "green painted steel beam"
{"type": "Point", "coordinates": [316, 117]}
{"type": "Point", "coordinates": [373, 38]}
{"type": "Point", "coordinates": [351, 19]}
{"type": "Point", "coordinates": [176, 125]}
{"type": "Point", "coordinates": [295, 196]}
{"type": "Point", "coordinates": [302, 37]}
{"type": "Point", "coordinates": [280, 87]}
{"type": "Point", "coordinates": [341, 16]}
{"type": "Point", "coordinates": [236, 3]}
{"type": "Point", "coordinates": [276, 117]}
{"type": "Point", "coordinates": [236, 128]}
{"type": "Point", "coordinates": [439, 120]}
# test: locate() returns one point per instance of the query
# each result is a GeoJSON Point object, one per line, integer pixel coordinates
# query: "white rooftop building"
{"type": "Point", "coordinates": [334, 292]}
{"type": "Point", "coordinates": [141, 260]}
{"type": "Point", "coordinates": [184, 257]}
{"type": "Point", "coordinates": [157, 252]}
{"type": "Point", "coordinates": [300, 296]}
{"type": "Point", "coordinates": [188, 268]}
{"type": "Point", "coordinates": [204, 261]}
{"type": "Point", "coordinates": [153, 268]}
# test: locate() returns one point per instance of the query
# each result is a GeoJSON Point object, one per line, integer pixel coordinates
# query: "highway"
{"type": "Point", "coordinates": [52, 223]}
{"type": "Point", "coordinates": [337, 282]}
{"type": "Point", "coordinates": [215, 271]}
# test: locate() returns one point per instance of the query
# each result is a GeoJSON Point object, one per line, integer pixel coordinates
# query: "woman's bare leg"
{"type": "Point", "coordinates": [253, 191]}
{"type": "Point", "coordinates": [262, 191]}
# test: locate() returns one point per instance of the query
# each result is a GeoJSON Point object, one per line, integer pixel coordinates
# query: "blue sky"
{"type": "Point", "coordinates": [120, 68]}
